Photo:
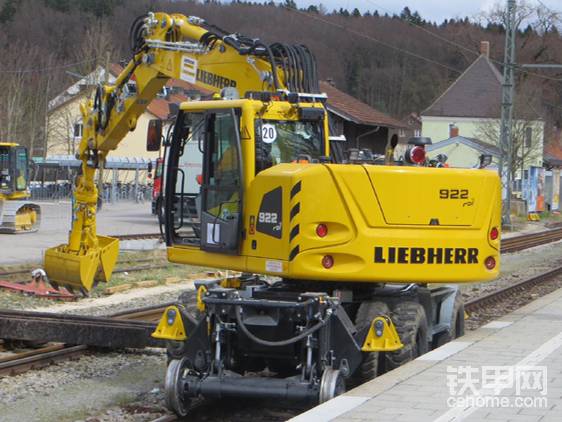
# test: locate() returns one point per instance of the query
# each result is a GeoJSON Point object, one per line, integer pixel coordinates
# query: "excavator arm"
{"type": "Point", "coordinates": [164, 46]}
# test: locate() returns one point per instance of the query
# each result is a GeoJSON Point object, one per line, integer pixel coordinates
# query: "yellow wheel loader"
{"type": "Point", "coordinates": [17, 213]}
{"type": "Point", "coordinates": [334, 261]}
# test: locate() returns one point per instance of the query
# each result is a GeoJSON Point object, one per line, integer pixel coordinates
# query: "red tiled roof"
{"type": "Point", "coordinates": [115, 69]}
{"type": "Point", "coordinates": [160, 107]}
{"type": "Point", "coordinates": [554, 150]}
{"type": "Point", "coordinates": [352, 109]}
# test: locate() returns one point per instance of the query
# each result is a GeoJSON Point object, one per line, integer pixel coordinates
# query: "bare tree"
{"type": "Point", "coordinates": [62, 136]}
{"type": "Point", "coordinates": [96, 48]}
{"type": "Point", "coordinates": [527, 141]}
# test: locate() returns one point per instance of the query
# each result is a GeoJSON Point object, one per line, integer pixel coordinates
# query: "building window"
{"type": "Point", "coordinates": [401, 133]}
{"type": "Point", "coordinates": [528, 137]}
{"type": "Point", "coordinates": [417, 132]}
{"type": "Point", "coordinates": [77, 130]}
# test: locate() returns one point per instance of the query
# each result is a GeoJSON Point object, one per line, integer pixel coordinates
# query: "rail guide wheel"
{"type": "Point", "coordinates": [332, 384]}
{"type": "Point", "coordinates": [175, 399]}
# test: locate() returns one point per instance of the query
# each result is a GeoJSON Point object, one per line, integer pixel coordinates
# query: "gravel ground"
{"type": "Point", "coordinates": [128, 386]}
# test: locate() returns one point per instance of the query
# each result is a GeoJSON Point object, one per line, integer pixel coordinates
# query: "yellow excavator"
{"type": "Point", "coordinates": [345, 271]}
{"type": "Point", "coordinates": [17, 213]}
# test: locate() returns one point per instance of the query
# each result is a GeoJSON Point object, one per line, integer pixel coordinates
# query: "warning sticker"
{"type": "Point", "coordinates": [188, 71]}
{"type": "Point", "coordinates": [274, 266]}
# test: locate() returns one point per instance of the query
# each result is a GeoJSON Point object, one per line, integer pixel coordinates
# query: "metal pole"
{"type": "Point", "coordinates": [522, 166]}
{"type": "Point", "coordinates": [114, 186]}
{"type": "Point", "coordinates": [507, 112]}
{"type": "Point", "coordinates": [136, 189]}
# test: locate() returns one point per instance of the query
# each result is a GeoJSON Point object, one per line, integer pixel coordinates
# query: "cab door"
{"type": "Point", "coordinates": [211, 218]}
{"type": "Point", "coordinates": [221, 189]}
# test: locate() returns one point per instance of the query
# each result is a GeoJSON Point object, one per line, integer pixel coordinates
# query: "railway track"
{"type": "Point", "coordinates": [504, 293]}
{"type": "Point", "coordinates": [19, 362]}
{"type": "Point", "coordinates": [525, 241]}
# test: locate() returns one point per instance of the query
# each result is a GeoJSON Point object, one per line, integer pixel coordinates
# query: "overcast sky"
{"type": "Point", "coordinates": [433, 10]}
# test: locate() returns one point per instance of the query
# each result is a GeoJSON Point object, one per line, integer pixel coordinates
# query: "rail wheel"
{"type": "Point", "coordinates": [369, 367]}
{"type": "Point", "coordinates": [175, 400]}
{"type": "Point", "coordinates": [332, 384]}
{"type": "Point", "coordinates": [411, 323]}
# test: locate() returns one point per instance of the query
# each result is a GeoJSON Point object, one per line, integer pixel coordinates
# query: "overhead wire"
{"type": "Point", "coordinates": [468, 49]}
{"type": "Point", "coordinates": [376, 40]}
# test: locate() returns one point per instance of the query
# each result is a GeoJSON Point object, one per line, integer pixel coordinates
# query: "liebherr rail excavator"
{"type": "Point", "coordinates": [333, 260]}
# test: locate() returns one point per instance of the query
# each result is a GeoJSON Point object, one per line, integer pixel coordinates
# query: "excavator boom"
{"type": "Point", "coordinates": [164, 46]}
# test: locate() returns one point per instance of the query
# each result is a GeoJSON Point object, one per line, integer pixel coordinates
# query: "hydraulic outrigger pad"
{"type": "Point", "coordinates": [82, 270]}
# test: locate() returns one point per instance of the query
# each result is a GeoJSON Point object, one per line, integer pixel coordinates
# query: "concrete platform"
{"type": "Point", "coordinates": [121, 218]}
{"type": "Point", "coordinates": [508, 370]}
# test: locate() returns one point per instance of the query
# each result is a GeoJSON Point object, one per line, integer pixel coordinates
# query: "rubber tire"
{"type": "Point", "coordinates": [369, 368]}
{"type": "Point", "coordinates": [457, 323]}
{"type": "Point", "coordinates": [411, 323]}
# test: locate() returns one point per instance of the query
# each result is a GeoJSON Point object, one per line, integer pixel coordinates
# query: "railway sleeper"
{"type": "Point", "coordinates": [253, 339]}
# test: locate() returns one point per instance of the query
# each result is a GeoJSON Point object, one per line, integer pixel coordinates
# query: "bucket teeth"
{"type": "Point", "coordinates": [80, 271]}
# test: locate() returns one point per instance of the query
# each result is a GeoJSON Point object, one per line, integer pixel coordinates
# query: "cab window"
{"type": "Point", "coordinates": [286, 141]}
{"type": "Point", "coordinates": [21, 169]}
{"type": "Point", "coordinates": [223, 171]}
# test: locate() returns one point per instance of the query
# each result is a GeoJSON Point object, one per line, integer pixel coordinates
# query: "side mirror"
{"type": "Point", "coordinates": [154, 135]}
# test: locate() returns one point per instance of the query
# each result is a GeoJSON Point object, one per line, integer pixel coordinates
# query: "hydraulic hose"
{"type": "Point", "coordinates": [268, 343]}
{"type": "Point", "coordinates": [272, 62]}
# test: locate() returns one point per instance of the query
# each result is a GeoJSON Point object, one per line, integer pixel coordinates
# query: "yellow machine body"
{"type": "Point", "coordinates": [384, 223]}
{"type": "Point", "coordinates": [17, 213]}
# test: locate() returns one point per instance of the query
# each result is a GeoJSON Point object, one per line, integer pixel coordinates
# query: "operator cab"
{"type": "Point", "coordinates": [233, 140]}
{"type": "Point", "coordinates": [14, 173]}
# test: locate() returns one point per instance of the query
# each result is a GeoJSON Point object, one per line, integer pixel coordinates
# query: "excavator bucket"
{"type": "Point", "coordinates": [19, 217]}
{"type": "Point", "coordinates": [82, 271]}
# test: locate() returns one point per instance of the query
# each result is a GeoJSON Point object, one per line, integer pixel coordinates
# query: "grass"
{"type": "Point", "coordinates": [15, 300]}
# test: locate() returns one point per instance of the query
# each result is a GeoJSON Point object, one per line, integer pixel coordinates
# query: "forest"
{"type": "Point", "coordinates": [397, 63]}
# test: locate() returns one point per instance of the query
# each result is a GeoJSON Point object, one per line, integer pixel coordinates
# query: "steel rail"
{"type": "Point", "coordinates": [503, 293]}
{"type": "Point", "coordinates": [23, 361]}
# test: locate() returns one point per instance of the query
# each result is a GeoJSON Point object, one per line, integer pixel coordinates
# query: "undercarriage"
{"type": "Point", "coordinates": [252, 338]}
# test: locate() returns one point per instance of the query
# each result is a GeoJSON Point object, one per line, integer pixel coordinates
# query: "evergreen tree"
{"type": "Point", "coordinates": [8, 10]}
{"type": "Point", "coordinates": [416, 18]}
{"type": "Point", "coordinates": [60, 5]}
{"type": "Point", "coordinates": [312, 9]}
{"type": "Point", "coordinates": [406, 15]}
{"type": "Point", "coordinates": [290, 4]}
{"type": "Point", "coordinates": [356, 13]}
